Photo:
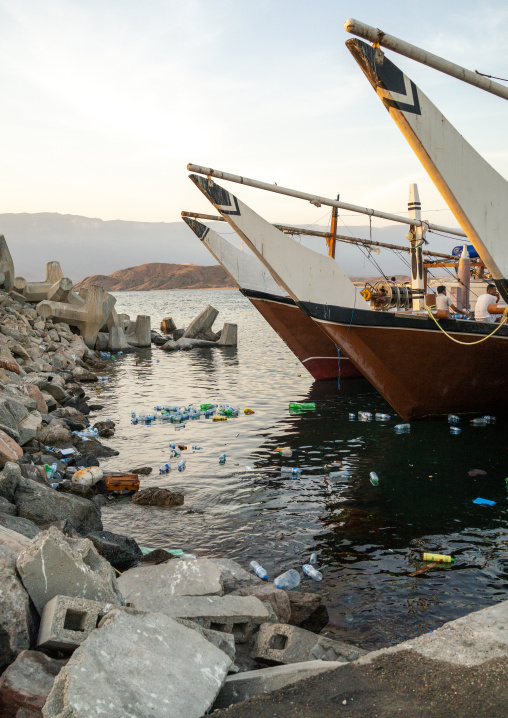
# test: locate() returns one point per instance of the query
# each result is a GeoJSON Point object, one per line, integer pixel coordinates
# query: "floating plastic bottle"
{"type": "Point", "coordinates": [164, 469]}
{"type": "Point", "coordinates": [481, 421]}
{"type": "Point", "coordinates": [182, 447]}
{"type": "Point", "coordinates": [134, 420]}
{"type": "Point", "coordinates": [352, 416]}
{"type": "Point", "coordinates": [248, 411]}
{"type": "Point", "coordinates": [343, 474]}
{"type": "Point", "coordinates": [220, 418]}
{"type": "Point", "coordinates": [437, 558]}
{"type": "Point", "coordinates": [284, 452]}
{"type": "Point", "coordinates": [287, 580]}
{"type": "Point", "coordinates": [382, 417]}
{"type": "Point", "coordinates": [453, 419]}
{"type": "Point", "coordinates": [302, 406]}
{"type": "Point", "coordinates": [290, 471]}
{"type": "Point", "coordinates": [364, 416]}
{"type": "Point", "coordinates": [174, 453]}
{"type": "Point", "coordinates": [402, 428]}
{"type": "Point", "coordinates": [374, 478]}
{"type": "Point", "coordinates": [313, 558]}
{"type": "Point", "coordinates": [455, 430]}
{"type": "Point", "coordinates": [181, 465]}
{"type": "Point", "coordinates": [205, 407]}
{"type": "Point", "coordinates": [196, 447]}
{"type": "Point", "coordinates": [222, 459]}
{"type": "Point", "coordinates": [490, 419]}
{"type": "Point", "coordinates": [312, 572]}
{"type": "Point", "coordinates": [258, 570]}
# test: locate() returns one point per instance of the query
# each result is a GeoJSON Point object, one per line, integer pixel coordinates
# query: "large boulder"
{"type": "Point", "coordinates": [10, 450]}
{"type": "Point", "coordinates": [53, 564]}
{"type": "Point", "coordinates": [56, 432]}
{"type": "Point", "coordinates": [9, 480]}
{"type": "Point", "coordinates": [21, 526]}
{"type": "Point", "coordinates": [26, 684]}
{"type": "Point", "coordinates": [155, 496]}
{"type": "Point", "coordinates": [147, 665]}
{"type": "Point", "coordinates": [43, 505]}
{"type": "Point", "coordinates": [308, 611]}
{"type": "Point", "coordinates": [29, 427]}
{"type": "Point", "coordinates": [122, 552]}
{"type": "Point", "coordinates": [18, 621]}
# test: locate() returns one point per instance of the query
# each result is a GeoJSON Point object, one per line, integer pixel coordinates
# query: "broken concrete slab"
{"type": "Point", "coordinates": [242, 686]}
{"type": "Point", "coordinates": [282, 643]}
{"type": "Point", "coordinates": [26, 684]}
{"type": "Point", "coordinates": [235, 576]}
{"type": "Point", "coordinates": [229, 335]}
{"type": "Point", "coordinates": [144, 665]}
{"type": "Point", "coordinates": [67, 621]}
{"type": "Point", "coordinates": [200, 327]}
{"type": "Point", "coordinates": [150, 587]}
{"type": "Point", "coordinates": [224, 641]}
{"type": "Point", "coordinates": [54, 564]}
{"type": "Point", "coordinates": [267, 593]}
{"type": "Point", "coordinates": [238, 615]}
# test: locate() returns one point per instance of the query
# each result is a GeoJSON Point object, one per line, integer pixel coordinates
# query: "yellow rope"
{"type": "Point", "coordinates": [467, 344]}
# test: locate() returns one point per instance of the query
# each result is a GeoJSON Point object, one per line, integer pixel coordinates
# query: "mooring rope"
{"type": "Point", "coordinates": [468, 344]}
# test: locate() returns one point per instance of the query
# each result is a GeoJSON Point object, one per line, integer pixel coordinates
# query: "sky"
{"type": "Point", "coordinates": [104, 102]}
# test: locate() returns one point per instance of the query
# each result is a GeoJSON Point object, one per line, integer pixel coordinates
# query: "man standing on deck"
{"type": "Point", "coordinates": [486, 306]}
{"type": "Point", "coordinates": [444, 304]}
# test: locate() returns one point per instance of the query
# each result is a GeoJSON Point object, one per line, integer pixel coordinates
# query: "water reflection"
{"type": "Point", "coordinates": [368, 538]}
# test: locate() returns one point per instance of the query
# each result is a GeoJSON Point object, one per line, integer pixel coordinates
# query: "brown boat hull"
{"type": "Point", "coordinates": [303, 336]}
{"type": "Point", "coordinates": [419, 370]}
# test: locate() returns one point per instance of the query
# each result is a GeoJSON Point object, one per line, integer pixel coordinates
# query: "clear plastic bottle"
{"type": "Point", "coordinates": [344, 473]}
{"type": "Point", "coordinates": [222, 459]}
{"type": "Point", "coordinates": [374, 478]}
{"type": "Point", "coordinates": [490, 419]}
{"type": "Point", "coordinates": [164, 469]}
{"type": "Point", "coordinates": [481, 421]}
{"type": "Point", "coordinates": [287, 580]}
{"type": "Point", "coordinates": [290, 471]}
{"type": "Point", "coordinates": [312, 572]}
{"type": "Point", "coordinates": [286, 453]}
{"type": "Point", "coordinates": [382, 417]}
{"type": "Point", "coordinates": [258, 570]}
{"type": "Point", "coordinates": [453, 419]}
{"type": "Point", "coordinates": [352, 416]}
{"type": "Point", "coordinates": [196, 447]}
{"type": "Point", "coordinates": [402, 428]}
{"type": "Point", "coordinates": [364, 416]}
{"type": "Point", "coordinates": [313, 558]}
{"type": "Point", "coordinates": [455, 430]}
{"type": "Point", "coordinates": [181, 465]}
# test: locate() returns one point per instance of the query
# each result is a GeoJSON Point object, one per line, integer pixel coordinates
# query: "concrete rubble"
{"type": "Point", "coordinates": [150, 587]}
{"type": "Point", "coordinates": [181, 674]}
{"type": "Point", "coordinates": [66, 622]}
{"type": "Point", "coordinates": [282, 643]}
{"type": "Point", "coordinates": [53, 564]}
{"type": "Point", "coordinates": [26, 684]}
{"type": "Point", "coordinates": [198, 334]}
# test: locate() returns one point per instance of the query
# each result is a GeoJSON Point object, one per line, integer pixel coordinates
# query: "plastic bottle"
{"type": "Point", "coordinates": [453, 419]}
{"type": "Point", "coordinates": [437, 558]}
{"type": "Point", "coordinates": [181, 465]}
{"type": "Point", "coordinates": [134, 420]}
{"type": "Point", "coordinates": [196, 447]}
{"type": "Point", "coordinates": [302, 406]}
{"type": "Point", "coordinates": [290, 471]}
{"type": "Point", "coordinates": [182, 447]}
{"type": "Point", "coordinates": [164, 469]}
{"type": "Point", "coordinates": [312, 572]}
{"type": "Point", "coordinates": [258, 570]}
{"type": "Point", "coordinates": [344, 473]}
{"type": "Point", "coordinates": [455, 430]}
{"type": "Point", "coordinates": [364, 416]}
{"type": "Point", "coordinates": [287, 580]}
{"type": "Point", "coordinates": [374, 478]}
{"type": "Point", "coordinates": [285, 452]}
{"type": "Point", "coordinates": [220, 418]}
{"type": "Point", "coordinates": [222, 459]}
{"type": "Point", "coordinates": [352, 416]}
{"type": "Point", "coordinates": [174, 453]}
{"type": "Point", "coordinates": [481, 421]}
{"type": "Point", "coordinates": [382, 417]}
{"type": "Point", "coordinates": [205, 407]}
{"type": "Point", "coordinates": [313, 558]}
{"type": "Point", "coordinates": [248, 411]}
{"type": "Point", "coordinates": [490, 419]}
{"type": "Point", "coordinates": [402, 428]}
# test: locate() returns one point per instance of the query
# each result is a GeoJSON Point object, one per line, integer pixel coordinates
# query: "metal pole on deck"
{"type": "Point", "coordinates": [378, 37]}
{"type": "Point", "coordinates": [316, 199]}
{"type": "Point", "coordinates": [464, 276]}
{"type": "Point", "coordinates": [416, 237]}
{"type": "Point", "coordinates": [332, 237]}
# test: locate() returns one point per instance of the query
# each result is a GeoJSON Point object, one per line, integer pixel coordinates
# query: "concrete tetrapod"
{"type": "Point", "coordinates": [6, 265]}
{"type": "Point", "coordinates": [201, 326]}
{"type": "Point", "coordinates": [37, 291]}
{"type": "Point", "coordinates": [144, 665]}
{"type": "Point", "coordinates": [140, 335]}
{"type": "Point", "coordinates": [88, 318]}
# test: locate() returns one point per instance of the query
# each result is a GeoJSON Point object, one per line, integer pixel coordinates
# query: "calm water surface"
{"type": "Point", "coordinates": [368, 539]}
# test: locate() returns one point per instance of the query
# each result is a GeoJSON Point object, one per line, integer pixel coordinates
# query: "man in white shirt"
{"type": "Point", "coordinates": [444, 304]}
{"type": "Point", "coordinates": [486, 306]}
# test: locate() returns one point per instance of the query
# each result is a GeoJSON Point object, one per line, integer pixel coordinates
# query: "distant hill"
{"type": "Point", "coordinates": [157, 275]}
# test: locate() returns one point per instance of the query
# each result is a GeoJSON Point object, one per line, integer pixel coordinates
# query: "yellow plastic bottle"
{"type": "Point", "coordinates": [220, 418]}
{"type": "Point", "coordinates": [248, 411]}
{"type": "Point", "coordinates": [437, 558]}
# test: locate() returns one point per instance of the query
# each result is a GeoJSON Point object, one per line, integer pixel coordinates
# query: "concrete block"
{"type": "Point", "coordinates": [88, 318]}
{"type": "Point", "coordinates": [139, 665]}
{"type": "Point", "coordinates": [229, 335]}
{"type": "Point", "coordinates": [101, 343]}
{"type": "Point", "coordinates": [117, 341]}
{"type": "Point", "coordinates": [224, 641]}
{"type": "Point", "coordinates": [281, 643]}
{"type": "Point", "coordinates": [140, 335]}
{"type": "Point", "coordinates": [150, 587]}
{"type": "Point", "coordinates": [54, 565]}
{"type": "Point", "coordinates": [238, 615]}
{"type": "Point", "coordinates": [202, 324]}
{"type": "Point", "coordinates": [66, 622]}
{"type": "Point", "coordinates": [59, 292]}
{"type": "Point", "coordinates": [38, 291]}
{"type": "Point", "coordinates": [168, 326]}
{"type": "Point", "coordinates": [242, 686]}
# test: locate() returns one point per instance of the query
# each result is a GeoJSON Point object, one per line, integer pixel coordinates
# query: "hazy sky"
{"type": "Point", "coordinates": [104, 102]}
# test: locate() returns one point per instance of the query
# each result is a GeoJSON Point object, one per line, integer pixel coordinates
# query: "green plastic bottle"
{"type": "Point", "coordinates": [204, 407]}
{"type": "Point", "coordinates": [305, 406]}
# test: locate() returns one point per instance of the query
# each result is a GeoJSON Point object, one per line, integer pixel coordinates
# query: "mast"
{"type": "Point", "coordinates": [332, 237]}
{"type": "Point", "coordinates": [416, 237]}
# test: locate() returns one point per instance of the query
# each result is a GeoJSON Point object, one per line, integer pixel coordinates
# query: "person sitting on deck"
{"type": "Point", "coordinates": [486, 306]}
{"type": "Point", "coordinates": [444, 304]}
